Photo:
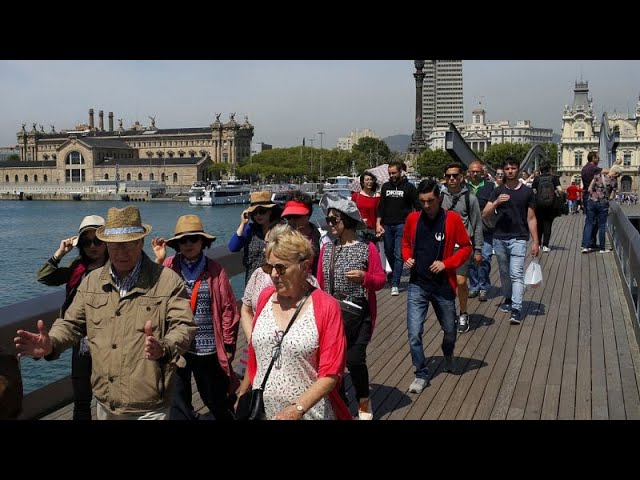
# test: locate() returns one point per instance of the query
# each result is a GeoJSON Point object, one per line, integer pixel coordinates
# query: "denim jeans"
{"type": "Point", "coordinates": [479, 275]}
{"type": "Point", "coordinates": [597, 213]}
{"type": "Point", "coordinates": [392, 249]}
{"type": "Point", "coordinates": [590, 224]}
{"type": "Point", "coordinates": [511, 254]}
{"type": "Point", "coordinates": [444, 304]}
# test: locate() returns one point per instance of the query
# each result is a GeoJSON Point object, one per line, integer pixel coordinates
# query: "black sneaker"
{"type": "Point", "coordinates": [515, 317]}
{"type": "Point", "coordinates": [506, 306]}
{"type": "Point", "coordinates": [449, 364]}
{"type": "Point", "coordinates": [483, 296]}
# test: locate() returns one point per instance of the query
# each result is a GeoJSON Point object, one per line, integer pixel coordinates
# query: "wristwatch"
{"type": "Point", "coordinates": [299, 407]}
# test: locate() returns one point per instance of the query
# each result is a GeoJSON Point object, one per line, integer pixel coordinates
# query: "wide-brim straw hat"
{"type": "Point", "coordinates": [344, 206]}
{"type": "Point", "coordinates": [90, 222]}
{"type": "Point", "coordinates": [261, 199]}
{"type": "Point", "coordinates": [188, 225]}
{"type": "Point", "coordinates": [123, 225]}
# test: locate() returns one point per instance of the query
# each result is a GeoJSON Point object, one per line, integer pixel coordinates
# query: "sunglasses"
{"type": "Point", "coordinates": [86, 242]}
{"type": "Point", "coordinates": [279, 267]}
{"type": "Point", "coordinates": [451, 175]}
{"type": "Point", "coordinates": [260, 211]}
{"type": "Point", "coordinates": [499, 174]}
{"type": "Point", "coordinates": [333, 220]}
{"type": "Point", "coordinates": [189, 238]}
{"type": "Point", "coordinates": [293, 217]}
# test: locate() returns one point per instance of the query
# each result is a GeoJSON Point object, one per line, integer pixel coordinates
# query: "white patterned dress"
{"type": "Point", "coordinates": [297, 366]}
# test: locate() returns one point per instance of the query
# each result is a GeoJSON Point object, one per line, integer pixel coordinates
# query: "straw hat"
{"type": "Point", "coordinates": [90, 222]}
{"type": "Point", "coordinates": [261, 199]}
{"type": "Point", "coordinates": [343, 205]}
{"type": "Point", "coordinates": [188, 225]}
{"type": "Point", "coordinates": [123, 225]}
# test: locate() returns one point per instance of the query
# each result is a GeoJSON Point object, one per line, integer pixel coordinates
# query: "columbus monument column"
{"type": "Point", "coordinates": [417, 145]}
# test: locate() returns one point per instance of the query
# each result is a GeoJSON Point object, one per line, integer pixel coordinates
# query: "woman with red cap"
{"type": "Point", "coordinates": [297, 212]}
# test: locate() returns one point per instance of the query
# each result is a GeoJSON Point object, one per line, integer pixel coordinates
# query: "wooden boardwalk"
{"type": "Point", "coordinates": [575, 356]}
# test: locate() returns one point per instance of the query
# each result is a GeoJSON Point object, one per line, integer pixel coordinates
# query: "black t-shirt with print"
{"type": "Point", "coordinates": [511, 219]}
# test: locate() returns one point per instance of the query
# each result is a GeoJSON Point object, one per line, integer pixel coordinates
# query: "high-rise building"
{"type": "Point", "coordinates": [442, 99]}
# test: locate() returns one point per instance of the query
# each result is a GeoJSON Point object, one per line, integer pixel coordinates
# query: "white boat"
{"type": "Point", "coordinates": [339, 185]}
{"type": "Point", "coordinates": [230, 192]}
{"type": "Point", "coordinates": [197, 188]}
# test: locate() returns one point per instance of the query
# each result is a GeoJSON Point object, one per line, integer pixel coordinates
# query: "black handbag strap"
{"type": "Point", "coordinates": [273, 358]}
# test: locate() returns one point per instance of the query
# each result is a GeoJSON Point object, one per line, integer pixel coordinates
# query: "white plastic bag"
{"type": "Point", "coordinates": [383, 257]}
{"type": "Point", "coordinates": [533, 275]}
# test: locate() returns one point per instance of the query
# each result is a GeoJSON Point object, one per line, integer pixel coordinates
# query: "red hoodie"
{"type": "Point", "coordinates": [454, 232]}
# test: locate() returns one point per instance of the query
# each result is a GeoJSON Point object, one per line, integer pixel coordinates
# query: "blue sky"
{"type": "Point", "coordinates": [287, 100]}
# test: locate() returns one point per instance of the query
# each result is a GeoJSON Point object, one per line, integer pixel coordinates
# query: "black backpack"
{"type": "Point", "coordinates": [546, 192]}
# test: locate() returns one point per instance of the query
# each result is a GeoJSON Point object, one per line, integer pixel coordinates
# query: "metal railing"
{"type": "Point", "coordinates": [24, 315]}
{"type": "Point", "coordinates": [626, 242]}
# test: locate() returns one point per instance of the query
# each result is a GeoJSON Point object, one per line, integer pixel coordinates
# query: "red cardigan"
{"type": "Point", "coordinates": [226, 316]}
{"type": "Point", "coordinates": [332, 350]}
{"type": "Point", "coordinates": [374, 279]}
{"type": "Point", "coordinates": [454, 232]}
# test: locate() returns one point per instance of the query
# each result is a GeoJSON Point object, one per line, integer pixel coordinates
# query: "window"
{"type": "Point", "coordinates": [577, 159]}
{"type": "Point", "coordinates": [175, 178]}
{"type": "Point", "coordinates": [26, 178]}
{"type": "Point", "coordinates": [140, 176]}
{"type": "Point", "coordinates": [151, 176]}
{"type": "Point", "coordinates": [579, 134]}
{"type": "Point", "coordinates": [128, 177]}
{"type": "Point", "coordinates": [16, 179]}
{"type": "Point", "coordinates": [35, 179]}
{"type": "Point", "coordinates": [46, 179]}
{"type": "Point", "coordinates": [6, 178]}
{"type": "Point", "coordinates": [627, 159]}
{"type": "Point", "coordinates": [106, 176]}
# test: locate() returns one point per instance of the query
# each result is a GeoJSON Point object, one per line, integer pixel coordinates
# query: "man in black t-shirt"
{"type": "Point", "coordinates": [514, 207]}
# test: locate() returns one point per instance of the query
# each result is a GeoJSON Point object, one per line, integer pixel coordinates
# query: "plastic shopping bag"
{"type": "Point", "coordinates": [533, 275]}
{"type": "Point", "coordinates": [383, 257]}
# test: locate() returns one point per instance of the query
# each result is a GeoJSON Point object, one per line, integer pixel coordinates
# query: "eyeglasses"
{"type": "Point", "coordinates": [451, 175]}
{"type": "Point", "coordinates": [260, 211]}
{"type": "Point", "coordinates": [280, 268]}
{"type": "Point", "coordinates": [499, 174]}
{"type": "Point", "coordinates": [189, 238]}
{"type": "Point", "coordinates": [333, 220]}
{"type": "Point", "coordinates": [276, 350]}
{"type": "Point", "coordinates": [86, 242]}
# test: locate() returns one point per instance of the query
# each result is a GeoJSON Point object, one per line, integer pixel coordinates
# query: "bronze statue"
{"type": "Point", "coordinates": [153, 121]}
{"type": "Point", "coordinates": [218, 117]}
{"type": "Point", "coordinates": [232, 116]}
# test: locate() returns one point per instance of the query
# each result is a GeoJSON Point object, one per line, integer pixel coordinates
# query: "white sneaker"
{"type": "Point", "coordinates": [546, 249]}
{"type": "Point", "coordinates": [585, 250]}
{"type": "Point", "coordinates": [418, 385]}
{"type": "Point", "coordinates": [394, 291]}
{"type": "Point", "coordinates": [606, 250]}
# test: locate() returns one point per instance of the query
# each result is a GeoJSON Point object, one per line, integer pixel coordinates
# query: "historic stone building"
{"type": "Point", "coordinates": [176, 156]}
{"type": "Point", "coordinates": [581, 135]}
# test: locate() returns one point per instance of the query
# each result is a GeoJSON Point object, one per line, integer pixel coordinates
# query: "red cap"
{"type": "Point", "coordinates": [295, 208]}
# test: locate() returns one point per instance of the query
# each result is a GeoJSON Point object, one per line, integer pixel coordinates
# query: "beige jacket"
{"type": "Point", "coordinates": [122, 378]}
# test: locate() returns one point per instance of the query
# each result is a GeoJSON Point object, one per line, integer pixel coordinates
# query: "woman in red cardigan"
{"type": "Point", "coordinates": [215, 312]}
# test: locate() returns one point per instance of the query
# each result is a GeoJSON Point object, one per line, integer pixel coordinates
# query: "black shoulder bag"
{"type": "Point", "coordinates": [251, 403]}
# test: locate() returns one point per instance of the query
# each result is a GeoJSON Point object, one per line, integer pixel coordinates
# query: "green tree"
{"type": "Point", "coordinates": [217, 170]}
{"type": "Point", "coordinates": [374, 148]}
{"type": "Point", "coordinates": [497, 153]}
{"type": "Point", "coordinates": [431, 163]}
{"type": "Point", "coordinates": [14, 157]}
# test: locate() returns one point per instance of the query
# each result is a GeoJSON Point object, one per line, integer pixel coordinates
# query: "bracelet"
{"type": "Point", "coordinates": [55, 260]}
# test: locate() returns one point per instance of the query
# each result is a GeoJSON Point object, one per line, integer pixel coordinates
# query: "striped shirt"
{"type": "Point", "coordinates": [129, 281]}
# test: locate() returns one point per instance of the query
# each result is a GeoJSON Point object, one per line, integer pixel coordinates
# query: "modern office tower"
{"type": "Point", "coordinates": [442, 99]}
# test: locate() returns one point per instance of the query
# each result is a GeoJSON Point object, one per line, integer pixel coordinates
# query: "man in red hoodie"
{"type": "Point", "coordinates": [428, 242]}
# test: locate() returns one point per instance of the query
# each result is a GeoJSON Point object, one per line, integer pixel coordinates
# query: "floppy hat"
{"type": "Point", "coordinates": [123, 225]}
{"type": "Point", "coordinates": [88, 223]}
{"type": "Point", "coordinates": [343, 205]}
{"type": "Point", "coordinates": [293, 207]}
{"type": "Point", "coordinates": [261, 199]}
{"type": "Point", "coordinates": [188, 225]}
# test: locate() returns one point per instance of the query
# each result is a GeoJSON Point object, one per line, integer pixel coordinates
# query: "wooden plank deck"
{"type": "Point", "coordinates": [575, 356]}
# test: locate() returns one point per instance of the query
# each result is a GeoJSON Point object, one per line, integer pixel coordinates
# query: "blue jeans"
{"type": "Point", "coordinates": [444, 304]}
{"type": "Point", "coordinates": [597, 213]}
{"type": "Point", "coordinates": [479, 274]}
{"type": "Point", "coordinates": [392, 249]}
{"type": "Point", "coordinates": [511, 254]}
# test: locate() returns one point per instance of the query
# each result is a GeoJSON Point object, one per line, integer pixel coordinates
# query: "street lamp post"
{"type": "Point", "coordinates": [321, 134]}
{"type": "Point", "coordinates": [311, 140]}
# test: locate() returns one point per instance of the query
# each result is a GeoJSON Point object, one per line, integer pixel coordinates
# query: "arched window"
{"type": "Point", "coordinates": [46, 179]}
{"type": "Point", "coordinates": [175, 178]}
{"type": "Point", "coordinates": [128, 177]}
{"type": "Point", "coordinates": [140, 176]}
{"type": "Point", "coordinates": [106, 176]}
{"type": "Point", "coordinates": [151, 176]}
{"type": "Point", "coordinates": [6, 178]}
{"type": "Point", "coordinates": [74, 167]}
{"type": "Point", "coordinates": [35, 179]}
{"type": "Point", "coordinates": [16, 179]}
{"type": "Point", "coordinates": [162, 177]}
{"type": "Point", "coordinates": [625, 184]}
{"type": "Point", "coordinates": [26, 178]}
